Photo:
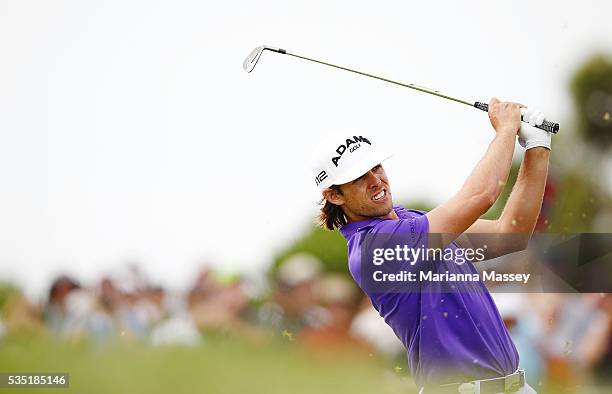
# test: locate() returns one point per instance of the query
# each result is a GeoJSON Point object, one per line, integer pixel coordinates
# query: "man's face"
{"type": "Point", "coordinates": [368, 196]}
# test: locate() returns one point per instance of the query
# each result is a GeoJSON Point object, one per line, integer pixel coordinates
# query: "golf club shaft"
{"type": "Point", "coordinates": [546, 125]}
{"type": "Point", "coordinates": [408, 85]}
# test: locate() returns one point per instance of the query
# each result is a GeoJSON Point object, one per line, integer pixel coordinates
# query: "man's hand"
{"type": "Point", "coordinates": [505, 117]}
{"type": "Point", "coordinates": [530, 136]}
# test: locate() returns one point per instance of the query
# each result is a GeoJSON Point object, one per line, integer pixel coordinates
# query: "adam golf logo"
{"type": "Point", "coordinates": [351, 145]}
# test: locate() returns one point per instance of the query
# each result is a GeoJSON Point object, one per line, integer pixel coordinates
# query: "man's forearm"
{"type": "Point", "coordinates": [493, 169]}
{"type": "Point", "coordinates": [523, 207]}
{"type": "Point", "coordinates": [477, 195]}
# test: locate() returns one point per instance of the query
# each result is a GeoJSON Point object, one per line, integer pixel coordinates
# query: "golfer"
{"type": "Point", "coordinates": [456, 341]}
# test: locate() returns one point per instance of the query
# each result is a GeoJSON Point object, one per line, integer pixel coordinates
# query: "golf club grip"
{"type": "Point", "coordinates": [551, 127]}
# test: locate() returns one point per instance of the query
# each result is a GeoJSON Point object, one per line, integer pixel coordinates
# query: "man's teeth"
{"type": "Point", "coordinates": [379, 195]}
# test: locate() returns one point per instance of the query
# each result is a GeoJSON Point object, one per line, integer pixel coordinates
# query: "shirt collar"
{"type": "Point", "coordinates": [349, 229]}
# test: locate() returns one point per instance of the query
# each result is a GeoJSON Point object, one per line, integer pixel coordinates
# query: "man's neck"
{"type": "Point", "coordinates": [352, 217]}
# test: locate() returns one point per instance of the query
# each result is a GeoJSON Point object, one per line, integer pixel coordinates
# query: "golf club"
{"type": "Point", "coordinates": [251, 61]}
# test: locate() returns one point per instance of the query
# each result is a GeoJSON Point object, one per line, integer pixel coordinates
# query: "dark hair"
{"type": "Point", "coordinates": [331, 216]}
{"type": "Point", "coordinates": [63, 282]}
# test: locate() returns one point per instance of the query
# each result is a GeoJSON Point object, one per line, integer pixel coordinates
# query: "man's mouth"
{"type": "Point", "coordinates": [380, 195]}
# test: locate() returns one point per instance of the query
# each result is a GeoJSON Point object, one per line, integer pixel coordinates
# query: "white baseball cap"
{"type": "Point", "coordinates": [344, 157]}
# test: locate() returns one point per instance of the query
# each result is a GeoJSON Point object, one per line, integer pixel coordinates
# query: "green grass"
{"type": "Point", "coordinates": [218, 366]}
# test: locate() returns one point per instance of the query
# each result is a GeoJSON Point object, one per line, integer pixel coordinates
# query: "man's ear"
{"type": "Point", "coordinates": [333, 196]}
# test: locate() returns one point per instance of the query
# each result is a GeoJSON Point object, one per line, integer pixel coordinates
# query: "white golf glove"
{"type": "Point", "coordinates": [530, 136]}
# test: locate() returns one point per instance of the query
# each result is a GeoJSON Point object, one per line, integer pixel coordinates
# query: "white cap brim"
{"type": "Point", "coordinates": [362, 167]}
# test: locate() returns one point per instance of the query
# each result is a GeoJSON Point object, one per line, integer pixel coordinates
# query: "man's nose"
{"type": "Point", "coordinates": [373, 179]}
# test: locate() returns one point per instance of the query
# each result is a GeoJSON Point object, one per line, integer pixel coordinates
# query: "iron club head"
{"type": "Point", "coordinates": [251, 61]}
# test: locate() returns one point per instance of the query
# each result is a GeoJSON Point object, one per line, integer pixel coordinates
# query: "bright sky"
{"type": "Point", "coordinates": [128, 129]}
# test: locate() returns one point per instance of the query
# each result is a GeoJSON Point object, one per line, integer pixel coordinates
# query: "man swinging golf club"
{"type": "Point", "coordinates": [455, 339]}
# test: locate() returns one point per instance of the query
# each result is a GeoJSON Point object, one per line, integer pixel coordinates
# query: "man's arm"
{"type": "Point", "coordinates": [512, 231]}
{"type": "Point", "coordinates": [482, 188]}
{"type": "Point", "coordinates": [521, 212]}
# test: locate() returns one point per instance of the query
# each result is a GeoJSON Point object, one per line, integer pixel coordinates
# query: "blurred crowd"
{"type": "Point", "coordinates": [564, 338]}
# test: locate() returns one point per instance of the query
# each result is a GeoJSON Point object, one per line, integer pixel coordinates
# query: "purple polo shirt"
{"type": "Point", "coordinates": [449, 336]}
